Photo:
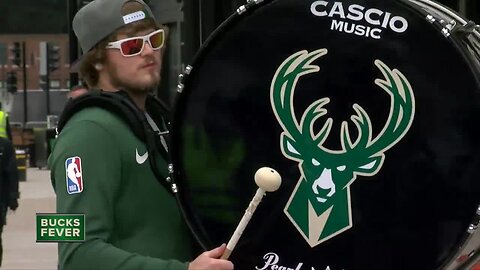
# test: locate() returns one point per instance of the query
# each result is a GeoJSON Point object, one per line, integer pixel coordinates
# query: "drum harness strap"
{"type": "Point", "coordinates": [142, 124]}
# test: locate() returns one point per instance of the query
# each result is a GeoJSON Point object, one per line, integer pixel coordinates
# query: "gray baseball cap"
{"type": "Point", "coordinates": [100, 18]}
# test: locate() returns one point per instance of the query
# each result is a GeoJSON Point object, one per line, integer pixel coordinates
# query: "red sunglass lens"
{"type": "Point", "coordinates": [132, 46]}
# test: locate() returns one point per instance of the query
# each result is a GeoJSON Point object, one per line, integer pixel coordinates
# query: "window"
{"type": "Point", "coordinates": [54, 84]}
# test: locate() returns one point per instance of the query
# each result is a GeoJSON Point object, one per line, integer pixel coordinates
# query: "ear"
{"type": "Point", "coordinates": [98, 66]}
{"type": "Point", "coordinates": [289, 147]}
{"type": "Point", "coordinates": [371, 166]}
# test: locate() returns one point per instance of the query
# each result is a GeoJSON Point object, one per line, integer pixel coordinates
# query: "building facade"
{"type": "Point", "coordinates": [59, 79]}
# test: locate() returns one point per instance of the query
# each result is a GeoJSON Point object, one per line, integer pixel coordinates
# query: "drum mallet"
{"type": "Point", "coordinates": [267, 179]}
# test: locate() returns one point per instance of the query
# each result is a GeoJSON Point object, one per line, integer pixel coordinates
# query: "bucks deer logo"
{"type": "Point", "coordinates": [320, 206]}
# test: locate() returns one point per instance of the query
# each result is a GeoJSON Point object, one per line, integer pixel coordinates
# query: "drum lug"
{"type": "Point", "coordinates": [188, 69]}
{"type": "Point", "coordinates": [174, 188]}
{"type": "Point", "coordinates": [474, 225]}
{"type": "Point", "coordinates": [430, 18]}
{"type": "Point", "coordinates": [447, 27]}
{"type": "Point", "coordinates": [250, 3]}
{"type": "Point", "coordinates": [180, 87]}
{"type": "Point", "coordinates": [170, 178]}
{"type": "Point", "coordinates": [181, 77]}
{"type": "Point", "coordinates": [472, 228]}
{"type": "Point", "coordinates": [241, 9]}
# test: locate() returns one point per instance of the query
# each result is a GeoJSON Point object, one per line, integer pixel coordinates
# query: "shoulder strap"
{"type": "Point", "coordinates": [157, 108]}
{"type": "Point", "coordinates": [120, 104]}
{"type": "Point", "coordinates": [117, 103]}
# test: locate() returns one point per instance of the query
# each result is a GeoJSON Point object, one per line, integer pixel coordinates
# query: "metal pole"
{"type": "Point", "coordinates": [47, 90]}
{"type": "Point", "coordinates": [72, 8]}
{"type": "Point", "coordinates": [25, 99]}
{"type": "Point", "coordinates": [200, 26]}
{"type": "Point", "coordinates": [462, 7]}
{"type": "Point", "coordinates": [44, 72]}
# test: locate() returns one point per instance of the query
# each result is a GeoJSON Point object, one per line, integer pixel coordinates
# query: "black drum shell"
{"type": "Point", "coordinates": [412, 214]}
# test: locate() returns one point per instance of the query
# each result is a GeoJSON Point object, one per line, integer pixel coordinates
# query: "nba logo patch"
{"type": "Point", "coordinates": [73, 168]}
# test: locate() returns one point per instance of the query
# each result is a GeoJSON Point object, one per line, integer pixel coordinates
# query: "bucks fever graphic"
{"type": "Point", "coordinates": [320, 206]}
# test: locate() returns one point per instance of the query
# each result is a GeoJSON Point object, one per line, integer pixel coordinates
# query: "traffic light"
{"type": "Point", "coordinates": [11, 82]}
{"type": "Point", "coordinates": [53, 57]}
{"type": "Point", "coordinates": [16, 52]}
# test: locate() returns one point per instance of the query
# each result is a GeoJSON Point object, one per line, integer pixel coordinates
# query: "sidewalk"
{"type": "Point", "coordinates": [20, 251]}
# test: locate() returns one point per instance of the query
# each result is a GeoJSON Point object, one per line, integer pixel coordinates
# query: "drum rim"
{"type": "Point", "coordinates": [458, 35]}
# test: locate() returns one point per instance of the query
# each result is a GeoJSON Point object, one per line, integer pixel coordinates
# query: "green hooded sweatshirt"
{"type": "Point", "coordinates": [100, 168]}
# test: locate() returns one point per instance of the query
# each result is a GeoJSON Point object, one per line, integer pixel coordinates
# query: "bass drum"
{"type": "Point", "coordinates": [368, 109]}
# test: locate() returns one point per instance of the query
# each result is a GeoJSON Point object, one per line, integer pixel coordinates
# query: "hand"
{"type": "Point", "coordinates": [13, 204]}
{"type": "Point", "coordinates": [210, 260]}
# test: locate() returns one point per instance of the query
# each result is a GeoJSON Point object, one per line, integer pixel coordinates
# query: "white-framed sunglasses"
{"type": "Point", "coordinates": [134, 45]}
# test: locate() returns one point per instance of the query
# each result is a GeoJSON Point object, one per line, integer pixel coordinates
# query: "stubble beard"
{"type": "Point", "coordinates": [136, 87]}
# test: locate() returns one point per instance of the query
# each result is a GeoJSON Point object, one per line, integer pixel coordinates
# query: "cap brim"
{"type": "Point", "coordinates": [75, 66]}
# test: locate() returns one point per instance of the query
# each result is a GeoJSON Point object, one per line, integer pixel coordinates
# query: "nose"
{"type": "Point", "coordinates": [147, 49]}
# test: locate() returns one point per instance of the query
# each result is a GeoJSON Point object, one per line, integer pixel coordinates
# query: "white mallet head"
{"type": "Point", "coordinates": [268, 179]}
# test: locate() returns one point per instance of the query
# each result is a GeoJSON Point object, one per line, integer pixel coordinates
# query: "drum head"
{"type": "Point", "coordinates": [366, 110]}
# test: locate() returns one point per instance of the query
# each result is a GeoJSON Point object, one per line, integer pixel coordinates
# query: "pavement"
{"type": "Point", "coordinates": [20, 250]}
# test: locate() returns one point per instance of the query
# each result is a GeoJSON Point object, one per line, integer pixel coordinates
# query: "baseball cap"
{"type": "Point", "coordinates": [100, 18]}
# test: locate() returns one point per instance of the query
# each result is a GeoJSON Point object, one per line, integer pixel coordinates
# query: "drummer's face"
{"type": "Point", "coordinates": [139, 73]}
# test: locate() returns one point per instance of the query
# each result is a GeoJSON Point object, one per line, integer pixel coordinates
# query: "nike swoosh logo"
{"type": "Point", "coordinates": [140, 159]}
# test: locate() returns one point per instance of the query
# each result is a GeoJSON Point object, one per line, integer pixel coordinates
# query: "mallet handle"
{"type": "Point", "coordinates": [243, 223]}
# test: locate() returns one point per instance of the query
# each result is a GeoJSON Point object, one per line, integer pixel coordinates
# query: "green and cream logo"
{"type": "Point", "coordinates": [320, 206]}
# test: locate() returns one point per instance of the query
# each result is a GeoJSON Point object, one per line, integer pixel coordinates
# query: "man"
{"type": "Point", "coordinates": [131, 221]}
{"type": "Point", "coordinates": [9, 193]}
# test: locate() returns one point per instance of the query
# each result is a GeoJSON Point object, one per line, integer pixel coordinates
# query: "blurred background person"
{"type": "Point", "coordinates": [77, 91]}
{"type": "Point", "coordinates": [5, 131]}
{"type": "Point", "coordinates": [9, 193]}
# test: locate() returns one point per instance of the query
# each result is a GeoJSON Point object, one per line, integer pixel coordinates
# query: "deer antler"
{"type": "Point", "coordinates": [399, 119]}
{"type": "Point", "coordinates": [282, 91]}
{"type": "Point", "coordinates": [312, 113]}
